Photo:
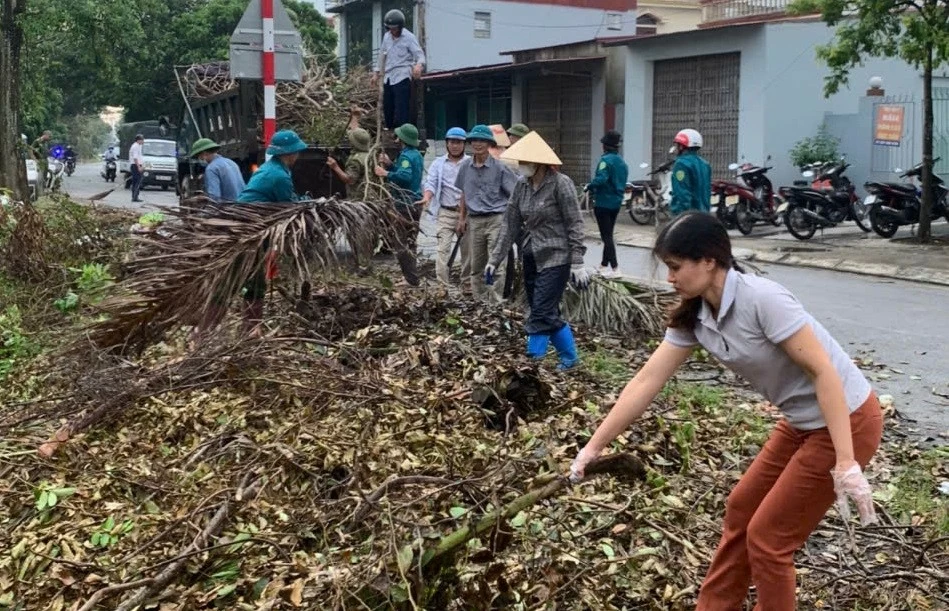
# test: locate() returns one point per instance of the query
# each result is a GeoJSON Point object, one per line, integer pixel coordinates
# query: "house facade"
{"type": "Point", "coordinates": [470, 33]}
{"type": "Point", "coordinates": [755, 89]}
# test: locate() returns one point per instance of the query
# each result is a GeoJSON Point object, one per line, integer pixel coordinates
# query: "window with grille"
{"type": "Point", "coordinates": [482, 24]}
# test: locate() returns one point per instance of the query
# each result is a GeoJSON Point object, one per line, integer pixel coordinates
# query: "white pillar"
{"type": "Point", "coordinates": [376, 33]}
{"type": "Point", "coordinates": [517, 98]}
{"type": "Point", "coordinates": [597, 117]}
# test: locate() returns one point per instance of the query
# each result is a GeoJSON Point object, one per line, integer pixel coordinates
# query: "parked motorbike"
{"type": "Point", "coordinates": [892, 204]}
{"type": "Point", "coordinates": [54, 173]}
{"type": "Point", "coordinates": [648, 200]}
{"type": "Point", "coordinates": [808, 207]}
{"type": "Point", "coordinates": [109, 171]}
{"type": "Point", "coordinates": [749, 201]}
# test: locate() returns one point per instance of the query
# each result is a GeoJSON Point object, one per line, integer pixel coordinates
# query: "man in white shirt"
{"type": "Point", "coordinates": [442, 197]}
{"type": "Point", "coordinates": [136, 166]}
{"type": "Point", "coordinates": [403, 62]}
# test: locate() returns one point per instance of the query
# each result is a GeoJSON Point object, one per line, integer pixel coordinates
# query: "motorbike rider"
{"type": "Point", "coordinates": [111, 154]}
{"type": "Point", "coordinates": [691, 175]}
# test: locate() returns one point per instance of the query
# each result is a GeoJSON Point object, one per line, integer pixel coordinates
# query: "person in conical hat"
{"type": "Point", "coordinates": [501, 141]}
{"type": "Point", "coordinates": [545, 213]}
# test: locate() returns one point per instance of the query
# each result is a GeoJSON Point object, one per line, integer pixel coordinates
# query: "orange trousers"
{"type": "Point", "coordinates": [774, 508]}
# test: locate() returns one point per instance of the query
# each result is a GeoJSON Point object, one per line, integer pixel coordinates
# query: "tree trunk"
{"type": "Point", "coordinates": [12, 150]}
{"type": "Point", "coordinates": [925, 210]}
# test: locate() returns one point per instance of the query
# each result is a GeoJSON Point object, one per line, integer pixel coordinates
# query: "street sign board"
{"type": "Point", "coordinates": [247, 45]}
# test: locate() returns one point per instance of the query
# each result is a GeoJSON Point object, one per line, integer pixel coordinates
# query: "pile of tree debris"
{"type": "Point", "coordinates": [384, 448]}
{"type": "Point", "coordinates": [317, 107]}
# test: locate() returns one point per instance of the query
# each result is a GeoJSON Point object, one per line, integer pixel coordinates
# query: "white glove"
{"type": "Point", "coordinates": [580, 276]}
{"type": "Point", "coordinates": [853, 484]}
{"type": "Point", "coordinates": [584, 457]}
{"type": "Point", "coordinates": [489, 274]}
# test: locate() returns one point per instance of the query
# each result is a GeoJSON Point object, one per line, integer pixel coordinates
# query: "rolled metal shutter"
{"type": "Point", "coordinates": [700, 92]}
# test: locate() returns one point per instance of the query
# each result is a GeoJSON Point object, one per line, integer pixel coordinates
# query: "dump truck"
{"type": "Point", "coordinates": [232, 119]}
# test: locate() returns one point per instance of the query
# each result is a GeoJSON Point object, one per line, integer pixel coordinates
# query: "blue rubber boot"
{"type": "Point", "coordinates": [537, 346]}
{"type": "Point", "coordinates": [566, 347]}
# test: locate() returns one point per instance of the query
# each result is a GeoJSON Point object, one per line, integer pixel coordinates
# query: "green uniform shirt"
{"type": "Point", "coordinates": [691, 184]}
{"type": "Point", "coordinates": [609, 182]}
{"type": "Point", "coordinates": [406, 174]}
{"type": "Point", "coordinates": [270, 183]}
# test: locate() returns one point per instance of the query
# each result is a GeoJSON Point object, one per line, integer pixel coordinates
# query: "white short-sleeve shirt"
{"type": "Point", "coordinates": [135, 153]}
{"type": "Point", "coordinates": [755, 316]}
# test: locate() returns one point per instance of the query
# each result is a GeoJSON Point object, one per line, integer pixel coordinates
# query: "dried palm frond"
{"type": "Point", "coordinates": [618, 307]}
{"type": "Point", "coordinates": [213, 249]}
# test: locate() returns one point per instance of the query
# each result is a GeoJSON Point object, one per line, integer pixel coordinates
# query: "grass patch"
{"type": "Point", "coordinates": [607, 366]}
{"type": "Point", "coordinates": [914, 493]}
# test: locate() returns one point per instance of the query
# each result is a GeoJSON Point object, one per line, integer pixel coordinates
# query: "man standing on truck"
{"type": "Point", "coordinates": [403, 58]}
{"type": "Point", "coordinates": [405, 175]}
{"type": "Point", "coordinates": [223, 181]}
{"type": "Point", "coordinates": [136, 166]}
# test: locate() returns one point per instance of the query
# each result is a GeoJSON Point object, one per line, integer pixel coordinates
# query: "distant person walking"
{"type": "Point", "coordinates": [608, 187]}
{"type": "Point", "coordinates": [404, 59]}
{"type": "Point", "coordinates": [136, 167]}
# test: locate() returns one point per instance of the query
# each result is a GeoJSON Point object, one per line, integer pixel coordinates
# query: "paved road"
{"type": "Point", "coordinates": [87, 182]}
{"type": "Point", "coordinates": [900, 324]}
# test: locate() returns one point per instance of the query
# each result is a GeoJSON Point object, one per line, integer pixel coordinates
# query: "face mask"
{"type": "Point", "coordinates": [527, 169]}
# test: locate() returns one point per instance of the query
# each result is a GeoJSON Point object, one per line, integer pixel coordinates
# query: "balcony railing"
{"type": "Point", "coordinates": [724, 10]}
{"type": "Point", "coordinates": [336, 4]}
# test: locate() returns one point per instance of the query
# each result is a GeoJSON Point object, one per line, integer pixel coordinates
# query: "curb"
{"type": "Point", "coordinates": [936, 277]}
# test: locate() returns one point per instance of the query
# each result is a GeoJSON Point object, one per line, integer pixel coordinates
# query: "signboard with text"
{"type": "Point", "coordinates": [888, 125]}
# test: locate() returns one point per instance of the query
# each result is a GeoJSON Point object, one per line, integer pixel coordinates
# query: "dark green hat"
{"type": "Point", "coordinates": [519, 129]}
{"type": "Point", "coordinates": [202, 145]}
{"type": "Point", "coordinates": [408, 134]}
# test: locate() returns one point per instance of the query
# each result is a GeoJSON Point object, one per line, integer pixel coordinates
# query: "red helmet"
{"type": "Point", "coordinates": [689, 138]}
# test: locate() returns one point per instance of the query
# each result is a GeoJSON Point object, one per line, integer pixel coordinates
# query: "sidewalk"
{"type": "Point", "coordinates": [844, 249]}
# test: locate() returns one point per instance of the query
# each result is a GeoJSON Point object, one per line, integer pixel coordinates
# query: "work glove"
{"type": "Point", "coordinates": [852, 483]}
{"type": "Point", "coordinates": [580, 276]}
{"type": "Point", "coordinates": [584, 457]}
{"type": "Point", "coordinates": [489, 274]}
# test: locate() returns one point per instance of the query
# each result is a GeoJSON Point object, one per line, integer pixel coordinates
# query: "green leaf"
{"type": "Point", "coordinates": [519, 520]}
{"type": "Point", "coordinates": [608, 550]}
{"type": "Point", "coordinates": [94, 540]}
{"type": "Point", "coordinates": [109, 524]}
{"type": "Point", "coordinates": [43, 500]}
{"type": "Point", "coordinates": [404, 558]}
{"type": "Point", "coordinates": [52, 499]}
{"type": "Point", "coordinates": [457, 512]}
{"type": "Point", "coordinates": [259, 586]}
{"type": "Point", "coordinates": [63, 492]}
{"type": "Point", "coordinates": [226, 590]}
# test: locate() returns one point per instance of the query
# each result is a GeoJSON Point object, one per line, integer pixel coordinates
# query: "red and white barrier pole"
{"type": "Point", "coordinates": [270, 82]}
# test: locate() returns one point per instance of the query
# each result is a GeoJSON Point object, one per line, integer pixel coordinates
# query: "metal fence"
{"type": "Point", "coordinates": [941, 128]}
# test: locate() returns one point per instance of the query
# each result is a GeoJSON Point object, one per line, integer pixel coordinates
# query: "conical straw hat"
{"type": "Point", "coordinates": [500, 135]}
{"type": "Point", "coordinates": [532, 149]}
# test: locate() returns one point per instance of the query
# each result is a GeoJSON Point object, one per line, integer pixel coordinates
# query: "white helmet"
{"type": "Point", "coordinates": [689, 138]}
